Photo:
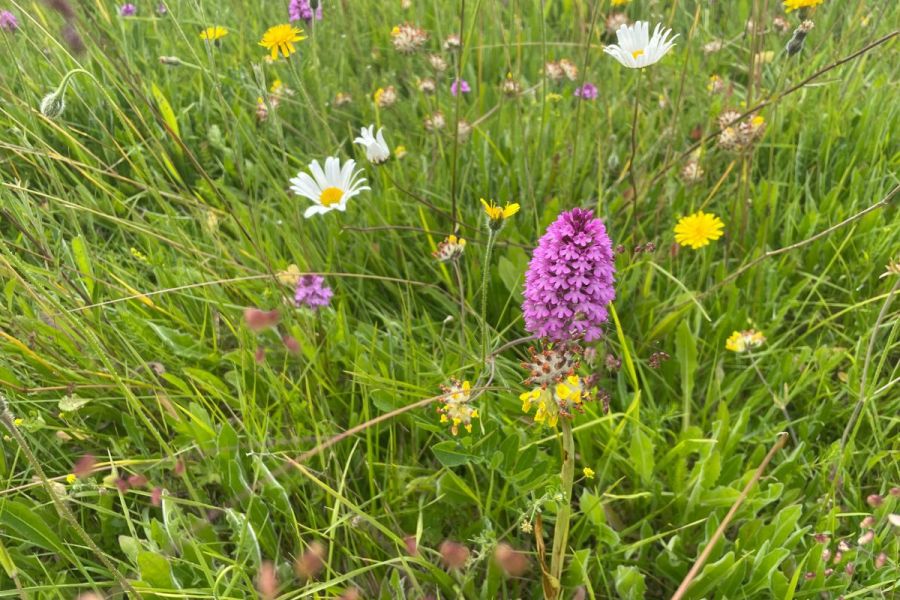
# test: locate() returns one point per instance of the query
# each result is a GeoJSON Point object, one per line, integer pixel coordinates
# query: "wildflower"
{"type": "Point", "coordinates": [377, 150]}
{"type": "Point", "coordinates": [427, 85]}
{"type": "Point", "coordinates": [866, 538]}
{"type": "Point", "coordinates": [301, 10]}
{"type": "Point", "coordinates": [262, 111]}
{"type": "Point", "coordinates": [412, 545]}
{"type": "Point", "coordinates": [435, 122]}
{"type": "Point", "coordinates": [8, 21]}
{"type": "Point", "coordinates": [408, 39]}
{"type": "Point", "coordinates": [497, 215]}
{"type": "Point", "coordinates": [570, 279]}
{"type": "Point", "coordinates": [781, 24]}
{"type": "Point", "coordinates": [715, 85]}
{"type": "Point", "coordinates": [894, 519]}
{"type": "Point", "coordinates": [636, 49]}
{"type": "Point", "coordinates": [455, 408]}
{"type": "Point", "coordinates": [791, 5]}
{"type": "Point", "coordinates": [453, 554]}
{"type": "Point", "coordinates": [892, 268]}
{"type": "Point", "coordinates": [561, 399]}
{"type": "Point", "coordinates": [874, 500]}
{"type": "Point", "coordinates": [510, 87]}
{"type": "Point", "coordinates": [53, 104]}
{"type": "Point", "coordinates": [127, 10]}
{"type": "Point", "coordinates": [620, 2]}
{"type": "Point", "coordinates": [437, 62]}
{"type": "Point", "coordinates": [460, 86]}
{"type": "Point", "coordinates": [331, 188]}
{"type": "Point", "coordinates": [267, 581]}
{"type": "Point", "coordinates": [213, 34]}
{"type": "Point", "coordinates": [452, 43]}
{"type": "Point", "coordinates": [511, 561]}
{"type": "Point", "coordinates": [795, 44]}
{"type": "Point", "coordinates": [692, 172]}
{"type": "Point", "coordinates": [742, 135]}
{"type": "Point", "coordinates": [525, 526]}
{"type": "Point", "coordinates": [553, 71]}
{"type": "Point", "coordinates": [713, 46]}
{"type": "Point", "coordinates": [71, 478]}
{"type": "Point", "coordinates": [741, 341]}
{"type": "Point", "coordinates": [588, 472]}
{"type": "Point", "coordinates": [613, 363]}
{"type": "Point", "coordinates": [161, 9]}
{"type": "Point", "coordinates": [614, 21]}
{"type": "Point", "coordinates": [385, 97]}
{"type": "Point", "coordinates": [312, 292]}
{"type": "Point", "coordinates": [657, 359]}
{"type": "Point", "coordinates": [698, 229]}
{"type": "Point", "coordinates": [281, 39]}
{"type": "Point", "coordinates": [341, 99]}
{"type": "Point", "coordinates": [311, 561]}
{"type": "Point", "coordinates": [463, 130]}
{"type": "Point", "coordinates": [569, 69]}
{"type": "Point", "coordinates": [586, 92]}
{"type": "Point", "coordinates": [400, 151]}
{"type": "Point", "coordinates": [450, 249]}
{"type": "Point", "coordinates": [257, 319]}
{"type": "Point", "coordinates": [881, 560]}
{"type": "Point", "coordinates": [867, 523]}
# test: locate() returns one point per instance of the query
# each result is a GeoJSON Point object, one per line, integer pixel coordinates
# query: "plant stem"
{"type": "Point", "coordinates": [561, 529]}
{"type": "Point", "coordinates": [462, 304]}
{"type": "Point", "coordinates": [7, 418]}
{"type": "Point", "coordinates": [634, 123]}
{"type": "Point", "coordinates": [485, 278]}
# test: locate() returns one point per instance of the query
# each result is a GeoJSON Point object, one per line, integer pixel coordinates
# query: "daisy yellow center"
{"type": "Point", "coordinates": [637, 53]}
{"type": "Point", "coordinates": [331, 195]}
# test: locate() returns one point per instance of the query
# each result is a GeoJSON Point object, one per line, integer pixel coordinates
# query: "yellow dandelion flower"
{"type": "Point", "coordinates": [280, 39]}
{"type": "Point", "coordinates": [790, 5]}
{"type": "Point", "coordinates": [71, 478]}
{"type": "Point", "coordinates": [698, 230]}
{"type": "Point", "coordinates": [588, 472]}
{"type": "Point", "coordinates": [213, 34]}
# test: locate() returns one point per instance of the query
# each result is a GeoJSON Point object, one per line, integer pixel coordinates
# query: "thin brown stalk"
{"type": "Point", "coordinates": [701, 560]}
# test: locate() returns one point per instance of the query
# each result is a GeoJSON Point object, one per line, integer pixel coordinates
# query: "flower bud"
{"type": "Point", "coordinates": [53, 105]}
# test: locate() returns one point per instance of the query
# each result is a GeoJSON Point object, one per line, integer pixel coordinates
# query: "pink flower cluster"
{"type": "Point", "coordinates": [570, 279]}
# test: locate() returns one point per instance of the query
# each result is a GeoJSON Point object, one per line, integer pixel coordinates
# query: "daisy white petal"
{"type": "Point", "coordinates": [328, 189]}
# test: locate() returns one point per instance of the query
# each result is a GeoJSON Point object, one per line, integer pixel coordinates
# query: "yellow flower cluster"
{"type": "Point", "coordinates": [741, 341]}
{"type": "Point", "coordinates": [456, 409]}
{"type": "Point", "coordinates": [550, 404]}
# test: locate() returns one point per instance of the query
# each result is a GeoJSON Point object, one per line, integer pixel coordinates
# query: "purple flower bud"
{"type": "Point", "coordinates": [8, 21]}
{"type": "Point", "coordinates": [302, 10]}
{"type": "Point", "coordinates": [460, 86]}
{"type": "Point", "coordinates": [587, 92]}
{"type": "Point", "coordinates": [127, 10]}
{"type": "Point", "coordinates": [570, 279]}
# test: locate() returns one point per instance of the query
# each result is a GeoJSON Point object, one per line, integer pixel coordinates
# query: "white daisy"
{"type": "Point", "coordinates": [329, 189]}
{"type": "Point", "coordinates": [636, 49]}
{"type": "Point", "coordinates": [377, 150]}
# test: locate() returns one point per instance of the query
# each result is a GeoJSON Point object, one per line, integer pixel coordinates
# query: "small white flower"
{"type": "Point", "coordinates": [329, 189]}
{"type": "Point", "coordinates": [377, 150]}
{"type": "Point", "coordinates": [636, 49]}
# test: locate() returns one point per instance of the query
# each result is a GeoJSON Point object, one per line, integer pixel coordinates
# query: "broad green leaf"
{"type": "Point", "coordinates": [165, 109]}
{"type": "Point", "coordinates": [27, 524]}
{"type": "Point", "coordinates": [641, 454]}
{"type": "Point", "coordinates": [686, 353]}
{"type": "Point", "coordinates": [630, 583]}
{"type": "Point", "coordinates": [451, 454]}
{"type": "Point", "coordinates": [156, 571]}
{"type": "Point", "coordinates": [72, 403]}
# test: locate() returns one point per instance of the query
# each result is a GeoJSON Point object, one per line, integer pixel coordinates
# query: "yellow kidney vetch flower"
{"type": "Point", "coordinates": [741, 341]}
{"type": "Point", "coordinates": [550, 404]}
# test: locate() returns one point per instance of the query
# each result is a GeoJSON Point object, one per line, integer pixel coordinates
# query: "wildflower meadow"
{"type": "Point", "coordinates": [458, 299]}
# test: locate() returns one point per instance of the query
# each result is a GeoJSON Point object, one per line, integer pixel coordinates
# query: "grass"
{"type": "Point", "coordinates": [139, 224]}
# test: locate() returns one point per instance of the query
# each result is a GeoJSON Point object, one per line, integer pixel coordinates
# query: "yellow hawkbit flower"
{"type": "Point", "coordinates": [281, 39]}
{"type": "Point", "coordinates": [213, 34]}
{"type": "Point", "coordinates": [790, 5]}
{"type": "Point", "coordinates": [741, 341]}
{"type": "Point", "coordinates": [496, 215]}
{"type": "Point", "coordinates": [588, 472]}
{"type": "Point", "coordinates": [620, 2]}
{"type": "Point", "coordinates": [71, 478]}
{"type": "Point", "coordinates": [698, 230]}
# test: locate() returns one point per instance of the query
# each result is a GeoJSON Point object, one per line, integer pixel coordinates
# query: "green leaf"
{"type": "Point", "coordinates": [27, 524]}
{"type": "Point", "coordinates": [630, 583]}
{"type": "Point", "coordinates": [130, 547]}
{"type": "Point", "coordinates": [686, 353]}
{"type": "Point", "coordinates": [156, 571]}
{"type": "Point", "coordinates": [166, 111]}
{"type": "Point", "coordinates": [71, 403]}
{"type": "Point", "coordinates": [83, 260]}
{"type": "Point", "coordinates": [641, 453]}
{"type": "Point", "coordinates": [451, 454]}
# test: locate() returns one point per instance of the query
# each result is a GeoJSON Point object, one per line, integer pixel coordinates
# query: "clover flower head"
{"type": "Point", "coordinates": [455, 406]}
{"type": "Point", "coordinates": [407, 38]}
{"type": "Point", "coordinates": [570, 279]}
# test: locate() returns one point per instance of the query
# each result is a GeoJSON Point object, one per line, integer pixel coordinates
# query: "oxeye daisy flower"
{"type": "Point", "coordinates": [570, 279]}
{"type": "Point", "coordinates": [636, 49]}
{"type": "Point", "coordinates": [281, 39]}
{"type": "Point", "coordinates": [791, 5]}
{"type": "Point", "coordinates": [213, 34]}
{"type": "Point", "coordinates": [377, 150]}
{"type": "Point", "coordinates": [8, 21]}
{"type": "Point", "coordinates": [331, 188]}
{"type": "Point", "coordinates": [698, 230]}
{"type": "Point", "coordinates": [496, 215]}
